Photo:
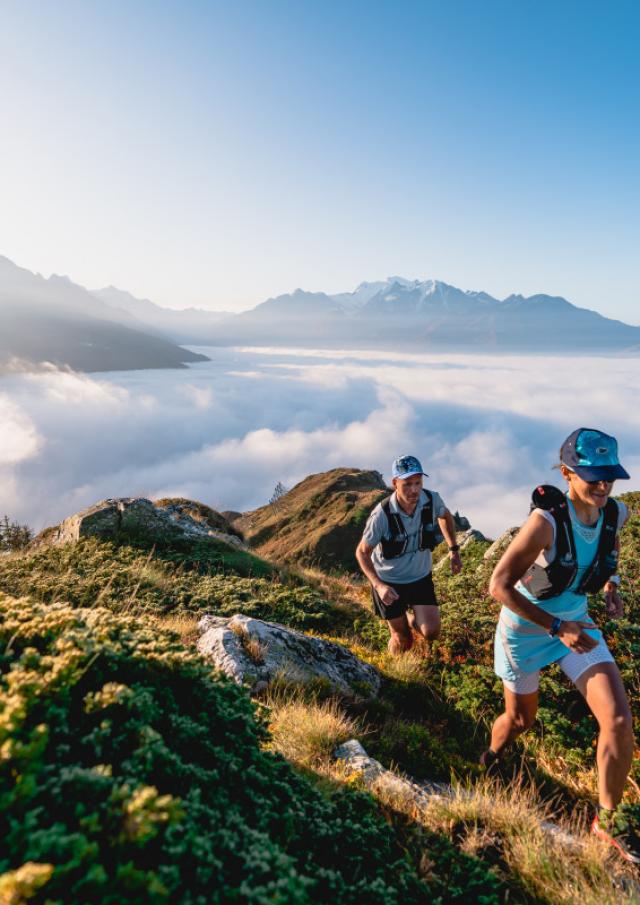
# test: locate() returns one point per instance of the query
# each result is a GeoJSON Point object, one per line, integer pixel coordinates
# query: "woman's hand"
{"type": "Point", "coordinates": [386, 593]}
{"type": "Point", "coordinates": [455, 562]}
{"type": "Point", "coordinates": [613, 601]}
{"type": "Point", "coordinates": [572, 635]}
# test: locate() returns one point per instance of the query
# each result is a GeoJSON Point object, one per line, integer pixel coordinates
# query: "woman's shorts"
{"type": "Point", "coordinates": [414, 593]}
{"type": "Point", "coordinates": [573, 665]}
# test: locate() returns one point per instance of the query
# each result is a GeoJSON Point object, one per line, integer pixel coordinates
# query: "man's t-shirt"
{"type": "Point", "coordinates": [415, 563]}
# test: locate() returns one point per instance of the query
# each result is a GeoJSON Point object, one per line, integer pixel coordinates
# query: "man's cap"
{"type": "Point", "coordinates": [592, 455]}
{"type": "Point", "coordinates": [406, 467]}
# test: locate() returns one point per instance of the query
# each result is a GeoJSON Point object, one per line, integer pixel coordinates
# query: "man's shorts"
{"type": "Point", "coordinates": [572, 664]}
{"type": "Point", "coordinates": [414, 593]}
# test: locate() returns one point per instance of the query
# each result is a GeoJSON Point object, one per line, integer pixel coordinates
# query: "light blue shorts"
{"type": "Point", "coordinates": [573, 665]}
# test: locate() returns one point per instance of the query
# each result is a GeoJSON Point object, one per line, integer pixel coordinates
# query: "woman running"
{"type": "Point", "coordinates": [566, 549]}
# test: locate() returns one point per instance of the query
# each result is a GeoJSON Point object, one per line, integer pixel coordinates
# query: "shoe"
{"type": "Point", "coordinates": [614, 828]}
{"type": "Point", "coordinates": [490, 761]}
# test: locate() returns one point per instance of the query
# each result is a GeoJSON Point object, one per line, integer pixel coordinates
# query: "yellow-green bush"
{"type": "Point", "coordinates": [130, 772]}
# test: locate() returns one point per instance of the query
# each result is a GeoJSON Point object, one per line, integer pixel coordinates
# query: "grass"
{"type": "Point", "coordinates": [432, 715]}
{"type": "Point", "coordinates": [307, 732]}
{"type": "Point", "coordinates": [504, 825]}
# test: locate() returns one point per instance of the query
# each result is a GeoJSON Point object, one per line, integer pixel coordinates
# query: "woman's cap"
{"type": "Point", "coordinates": [406, 467]}
{"type": "Point", "coordinates": [592, 455]}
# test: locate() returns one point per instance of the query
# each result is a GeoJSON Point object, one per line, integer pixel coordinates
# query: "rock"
{"type": "Point", "coordinates": [377, 778]}
{"type": "Point", "coordinates": [463, 539]}
{"type": "Point", "coordinates": [136, 517]}
{"type": "Point", "coordinates": [499, 546]}
{"type": "Point", "coordinates": [413, 798]}
{"type": "Point", "coordinates": [253, 652]}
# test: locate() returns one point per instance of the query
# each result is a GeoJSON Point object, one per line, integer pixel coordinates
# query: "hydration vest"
{"type": "Point", "coordinates": [551, 580]}
{"type": "Point", "coordinates": [430, 535]}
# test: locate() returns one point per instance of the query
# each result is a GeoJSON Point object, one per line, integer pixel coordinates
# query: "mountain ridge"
{"type": "Point", "coordinates": [430, 315]}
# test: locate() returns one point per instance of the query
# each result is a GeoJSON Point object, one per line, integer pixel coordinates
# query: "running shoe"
{"type": "Point", "coordinates": [615, 828]}
{"type": "Point", "coordinates": [490, 761]}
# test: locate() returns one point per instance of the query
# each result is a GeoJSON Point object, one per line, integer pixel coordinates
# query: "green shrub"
{"type": "Point", "coordinates": [138, 774]}
{"type": "Point", "coordinates": [198, 578]}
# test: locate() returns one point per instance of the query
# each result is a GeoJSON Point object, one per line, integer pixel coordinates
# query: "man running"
{"type": "Point", "coordinates": [395, 555]}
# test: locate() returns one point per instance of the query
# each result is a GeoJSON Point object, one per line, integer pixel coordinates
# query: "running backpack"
{"type": "Point", "coordinates": [430, 535]}
{"type": "Point", "coordinates": [551, 580]}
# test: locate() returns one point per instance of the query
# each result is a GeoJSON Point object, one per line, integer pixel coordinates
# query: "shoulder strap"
{"type": "Point", "coordinates": [426, 516]}
{"type": "Point", "coordinates": [609, 530]}
{"type": "Point", "coordinates": [393, 519]}
{"type": "Point", "coordinates": [553, 500]}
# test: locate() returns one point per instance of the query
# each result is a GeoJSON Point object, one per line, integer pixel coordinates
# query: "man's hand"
{"type": "Point", "coordinates": [455, 562]}
{"type": "Point", "coordinates": [613, 601]}
{"type": "Point", "coordinates": [572, 634]}
{"type": "Point", "coordinates": [386, 593]}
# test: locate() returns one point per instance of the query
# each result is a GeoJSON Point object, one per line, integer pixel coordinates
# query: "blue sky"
{"type": "Point", "coordinates": [219, 153]}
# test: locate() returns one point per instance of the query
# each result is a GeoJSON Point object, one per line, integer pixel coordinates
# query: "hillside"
{"type": "Point", "coordinates": [132, 764]}
{"type": "Point", "coordinates": [317, 522]}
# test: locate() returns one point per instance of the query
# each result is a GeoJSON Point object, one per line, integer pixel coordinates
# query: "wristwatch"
{"type": "Point", "coordinates": [555, 627]}
{"type": "Point", "coordinates": [456, 547]}
{"type": "Point", "coordinates": [614, 579]}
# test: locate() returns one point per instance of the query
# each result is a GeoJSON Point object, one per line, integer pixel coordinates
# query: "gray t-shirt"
{"type": "Point", "coordinates": [415, 563]}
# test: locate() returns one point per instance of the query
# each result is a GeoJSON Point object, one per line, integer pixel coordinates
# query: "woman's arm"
{"type": "Point", "coordinates": [535, 535]}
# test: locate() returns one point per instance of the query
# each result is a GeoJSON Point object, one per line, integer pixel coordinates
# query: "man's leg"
{"type": "Point", "coordinates": [401, 638]}
{"type": "Point", "coordinates": [426, 621]}
{"type": "Point", "coordinates": [602, 688]}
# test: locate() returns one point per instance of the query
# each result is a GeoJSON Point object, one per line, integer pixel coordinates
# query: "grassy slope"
{"type": "Point", "coordinates": [433, 714]}
{"type": "Point", "coordinates": [320, 520]}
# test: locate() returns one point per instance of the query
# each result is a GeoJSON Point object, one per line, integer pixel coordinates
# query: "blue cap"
{"type": "Point", "coordinates": [406, 467]}
{"type": "Point", "coordinates": [592, 455]}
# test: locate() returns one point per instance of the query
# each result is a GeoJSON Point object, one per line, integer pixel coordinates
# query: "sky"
{"type": "Point", "coordinates": [219, 153]}
{"type": "Point", "coordinates": [487, 430]}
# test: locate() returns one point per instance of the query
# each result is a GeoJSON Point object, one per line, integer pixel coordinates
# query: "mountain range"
{"type": "Point", "coordinates": [55, 320]}
{"type": "Point", "coordinates": [420, 315]}
{"type": "Point", "coordinates": [59, 321]}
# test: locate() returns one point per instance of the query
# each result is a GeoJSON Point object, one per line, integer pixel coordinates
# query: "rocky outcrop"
{"type": "Point", "coordinates": [498, 547]}
{"type": "Point", "coordinates": [253, 652]}
{"type": "Point", "coordinates": [413, 797]}
{"type": "Point", "coordinates": [376, 778]}
{"type": "Point", "coordinates": [463, 539]}
{"type": "Point", "coordinates": [136, 517]}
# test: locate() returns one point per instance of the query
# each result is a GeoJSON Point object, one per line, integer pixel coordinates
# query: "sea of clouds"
{"type": "Point", "coordinates": [486, 428]}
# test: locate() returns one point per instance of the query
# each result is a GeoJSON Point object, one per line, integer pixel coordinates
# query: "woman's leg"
{"type": "Point", "coordinates": [519, 715]}
{"type": "Point", "coordinates": [601, 685]}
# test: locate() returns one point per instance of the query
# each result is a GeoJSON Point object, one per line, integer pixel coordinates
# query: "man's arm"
{"type": "Point", "coordinates": [448, 528]}
{"type": "Point", "coordinates": [363, 554]}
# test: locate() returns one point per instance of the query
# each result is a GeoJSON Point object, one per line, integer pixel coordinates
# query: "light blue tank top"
{"type": "Point", "coordinates": [523, 646]}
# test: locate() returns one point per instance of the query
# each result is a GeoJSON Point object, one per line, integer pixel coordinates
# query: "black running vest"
{"type": "Point", "coordinates": [551, 580]}
{"type": "Point", "coordinates": [396, 545]}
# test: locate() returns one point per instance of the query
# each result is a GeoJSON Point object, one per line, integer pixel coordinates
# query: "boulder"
{"type": "Point", "coordinates": [134, 516]}
{"type": "Point", "coordinates": [253, 652]}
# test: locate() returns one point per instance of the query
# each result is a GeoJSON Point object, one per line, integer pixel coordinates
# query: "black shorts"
{"type": "Point", "coordinates": [414, 593]}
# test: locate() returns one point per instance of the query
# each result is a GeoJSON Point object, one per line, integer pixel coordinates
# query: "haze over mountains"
{"type": "Point", "coordinates": [399, 313]}
{"type": "Point", "coordinates": [55, 320]}
{"type": "Point", "coordinates": [59, 321]}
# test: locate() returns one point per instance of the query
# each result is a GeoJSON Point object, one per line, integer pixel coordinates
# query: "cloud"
{"type": "Point", "coordinates": [227, 431]}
